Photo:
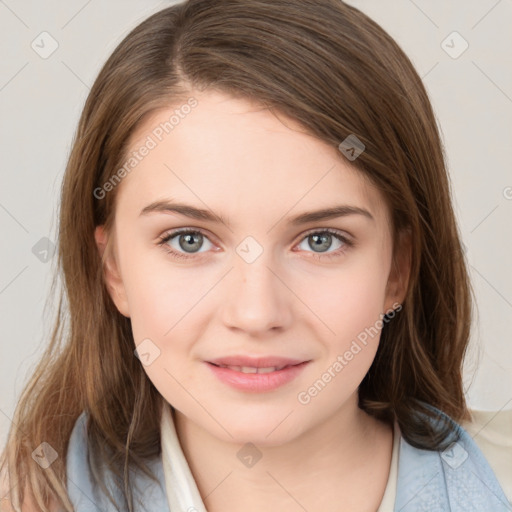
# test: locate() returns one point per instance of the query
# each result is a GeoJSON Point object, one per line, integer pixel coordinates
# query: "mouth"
{"type": "Point", "coordinates": [253, 379]}
{"type": "Point", "coordinates": [254, 363]}
{"type": "Point", "coordinates": [253, 369]}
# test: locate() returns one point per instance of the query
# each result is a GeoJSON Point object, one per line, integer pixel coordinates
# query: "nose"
{"type": "Point", "coordinates": [256, 297]}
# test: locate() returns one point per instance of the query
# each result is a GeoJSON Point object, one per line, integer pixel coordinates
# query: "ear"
{"type": "Point", "coordinates": [111, 274]}
{"type": "Point", "coordinates": [399, 274]}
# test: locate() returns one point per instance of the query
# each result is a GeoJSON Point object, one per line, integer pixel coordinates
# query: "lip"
{"type": "Point", "coordinates": [257, 382]}
{"type": "Point", "coordinates": [256, 361]}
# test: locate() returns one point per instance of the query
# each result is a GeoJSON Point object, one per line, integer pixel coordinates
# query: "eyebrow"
{"type": "Point", "coordinates": [206, 215]}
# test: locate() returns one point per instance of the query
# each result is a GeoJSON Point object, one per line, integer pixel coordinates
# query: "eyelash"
{"type": "Point", "coordinates": [338, 253]}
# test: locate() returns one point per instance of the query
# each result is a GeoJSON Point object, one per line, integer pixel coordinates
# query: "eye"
{"type": "Point", "coordinates": [186, 240]}
{"type": "Point", "coordinates": [322, 240]}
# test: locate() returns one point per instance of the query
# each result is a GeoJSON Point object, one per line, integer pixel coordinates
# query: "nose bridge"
{"type": "Point", "coordinates": [256, 298]}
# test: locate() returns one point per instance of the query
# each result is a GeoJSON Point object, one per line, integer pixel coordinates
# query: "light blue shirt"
{"type": "Point", "coordinates": [458, 479]}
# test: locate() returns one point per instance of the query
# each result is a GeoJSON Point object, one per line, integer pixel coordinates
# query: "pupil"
{"type": "Point", "coordinates": [191, 239]}
{"type": "Point", "coordinates": [322, 241]}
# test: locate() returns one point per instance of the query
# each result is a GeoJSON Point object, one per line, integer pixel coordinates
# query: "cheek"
{"type": "Point", "coordinates": [171, 307]}
{"type": "Point", "coordinates": [161, 294]}
{"type": "Point", "coordinates": [351, 310]}
{"type": "Point", "coordinates": [165, 307]}
{"type": "Point", "coordinates": [350, 299]}
{"type": "Point", "coordinates": [160, 303]}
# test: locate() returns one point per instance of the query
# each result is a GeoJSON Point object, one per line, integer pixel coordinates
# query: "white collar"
{"type": "Point", "coordinates": [182, 492]}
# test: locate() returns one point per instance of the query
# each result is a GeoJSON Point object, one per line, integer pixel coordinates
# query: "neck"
{"type": "Point", "coordinates": [336, 461]}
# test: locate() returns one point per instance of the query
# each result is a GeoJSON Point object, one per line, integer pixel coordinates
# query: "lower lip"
{"type": "Point", "coordinates": [257, 382]}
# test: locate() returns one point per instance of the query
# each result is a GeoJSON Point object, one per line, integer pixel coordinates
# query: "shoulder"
{"type": "Point", "coordinates": [458, 478]}
{"type": "Point", "coordinates": [492, 432]}
{"type": "Point", "coordinates": [78, 473]}
{"type": "Point", "coordinates": [85, 493]}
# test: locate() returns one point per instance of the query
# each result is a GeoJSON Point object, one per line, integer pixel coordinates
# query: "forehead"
{"type": "Point", "coordinates": [231, 155]}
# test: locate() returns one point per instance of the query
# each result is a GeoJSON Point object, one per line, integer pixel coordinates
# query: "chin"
{"type": "Point", "coordinates": [266, 432]}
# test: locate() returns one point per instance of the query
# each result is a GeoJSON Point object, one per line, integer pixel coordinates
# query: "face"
{"type": "Point", "coordinates": [258, 278]}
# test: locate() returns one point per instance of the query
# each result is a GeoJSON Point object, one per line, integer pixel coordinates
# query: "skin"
{"type": "Point", "coordinates": [256, 170]}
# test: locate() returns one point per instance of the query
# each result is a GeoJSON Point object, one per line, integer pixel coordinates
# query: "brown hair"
{"type": "Point", "coordinates": [324, 64]}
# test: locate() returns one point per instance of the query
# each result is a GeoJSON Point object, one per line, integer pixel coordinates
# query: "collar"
{"type": "Point", "coordinates": [455, 480]}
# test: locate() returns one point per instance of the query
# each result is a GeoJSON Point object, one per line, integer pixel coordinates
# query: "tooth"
{"type": "Point", "coordinates": [248, 369]}
{"type": "Point", "coordinates": [251, 369]}
{"type": "Point", "coordinates": [267, 370]}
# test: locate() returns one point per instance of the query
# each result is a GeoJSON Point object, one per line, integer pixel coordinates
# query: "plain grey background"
{"type": "Point", "coordinates": [460, 48]}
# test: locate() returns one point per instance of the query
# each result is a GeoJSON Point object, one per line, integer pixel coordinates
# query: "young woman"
{"type": "Point", "coordinates": [267, 298]}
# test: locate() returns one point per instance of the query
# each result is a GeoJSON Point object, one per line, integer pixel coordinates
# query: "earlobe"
{"type": "Point", "coordinates": [111, 274]}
